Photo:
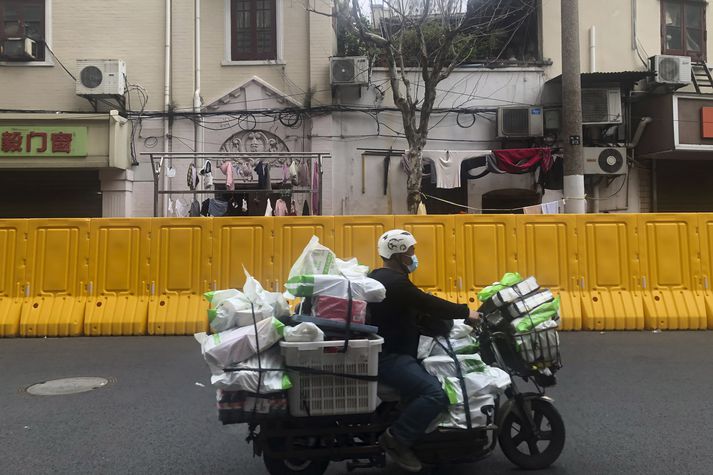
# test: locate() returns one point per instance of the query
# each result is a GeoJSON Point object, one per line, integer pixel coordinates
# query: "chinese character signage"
{"type": "Point", "coordinates": [29, 141]}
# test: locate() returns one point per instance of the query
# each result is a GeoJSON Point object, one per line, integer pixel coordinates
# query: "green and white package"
{"type": "Point", "coordinates": [246, 380]}
{"type": "Point", "coordinates": [363, 288]}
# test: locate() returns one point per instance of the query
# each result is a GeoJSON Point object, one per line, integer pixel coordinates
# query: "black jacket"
{"type": "Point", "coordinates": [397, 316]}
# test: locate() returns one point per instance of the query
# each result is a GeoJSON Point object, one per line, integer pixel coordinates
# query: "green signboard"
{"type": "Point", "coordinates": [39, 141]}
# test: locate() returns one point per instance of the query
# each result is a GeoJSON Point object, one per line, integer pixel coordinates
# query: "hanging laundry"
{"type": "Point", "coordinates": [204, 207]}
{"type": "Point", "coordinates": [192, 177]}
{"type": "Point", "coordinates": [227, 168]}
{"type": "Point", "coordinates": [294, 173]}
{"type": "Point", "coordinates": [245, 205]}
{"type": "Point", "coordinates": [285, 173]}
{"type": "Point", "coordinates": [474, 168]}
{"type": "Point", "coordinates": [207, 174]}
{"type": "Point", "coordinates": [182, 208]}
{"type": "Point", "coordinates": [217, 207]}
{"type": "Point", "coordinates": [171, 207]}
{"type": "Point", "coordinates": [315, 190]}
{"type": "Point", "coordinates": [553, 179]}
{"type": "Point", "coordinates": [280, 207]}
{"type": "Point", "coordinates": [553, 207]}
{"type": "Point", "coordinates": [448, 165]}
{"type": "Point", "coordinates": [432, 170]}
{"type": "Point", "coordinates": [293, 208]}
{"type": "Point", "coordinates": [535, 209]}
{"type": "Point", "coordinates": [263, 176]}
{"type": "Point", "coordinates": [268, 210]}
{"type": "Point", "coordinates": [244, 169]}
{"type": "Point", "coordinates": [195, 209]}
{"type": "Point", "coordinates": [303, 173]}
{"type": "Point", "coordinates": [522, 160]}
{"type": "Point", "coordinates": [170, 172]}
{"type": "Point", "coordinates": [305, 209]}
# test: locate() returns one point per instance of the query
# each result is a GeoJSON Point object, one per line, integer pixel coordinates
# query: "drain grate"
{"type": "Point", "coordinates": [61, 387]}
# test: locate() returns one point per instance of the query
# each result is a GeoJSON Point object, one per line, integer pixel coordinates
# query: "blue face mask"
{"type": "Point", "coordinates": [414, 264]}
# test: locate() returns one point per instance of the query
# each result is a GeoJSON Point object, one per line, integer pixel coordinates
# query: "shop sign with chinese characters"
{"type": "Point", "coordinates": [30, 141]}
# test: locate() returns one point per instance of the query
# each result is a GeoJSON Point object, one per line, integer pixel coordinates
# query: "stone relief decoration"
{"type": "Point", "coordinates": [251, 141]}
{"type": "Point", "coordinates": [254, 141]}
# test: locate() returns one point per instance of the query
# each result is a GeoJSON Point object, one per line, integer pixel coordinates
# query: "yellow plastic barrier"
{"type": "Point", "coordinates": [242, 243]}
{"type": "Point", "coordinates": [670, 259]}
{"type": "Point", "coordinates": [436, 250]}
{"type": "Point", "coordinates": [13, 248]}
{"type": "Point", "coordinates": [486, 246]}
{"type": "Point", "coordinates": [356, 236]}
{"type": "Point", "coordinates": [547, 249]}
{"type": "Point", "coordinates": [610, 274]}
{"type": "Point", "coordinates": [180, 271]}
{"type": "Point", "coordinates": [291, 236]}
{"type": "Point", "coordinates": [57, 265]}
{"type": "Point", "coordinates": [118, 301]}
{"type": "Point", "coordinates": [705, 234]}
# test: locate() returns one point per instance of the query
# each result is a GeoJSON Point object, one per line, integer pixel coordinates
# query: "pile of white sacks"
{"type": "Point", "coordinates": [480, 383]}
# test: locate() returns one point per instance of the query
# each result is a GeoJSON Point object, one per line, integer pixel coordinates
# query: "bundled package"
{"type": "Point", "coordinates": [315, 259]}
{"type": "Point", "coordinates": [460, 341]}
{"type": "Point", "coordinates": [235, 407]}
{"type": "Point", "coordinates": [508, 280]}
{"type": "Point", "coordinates": [538, 315]}
{"type": "Point", "coordinates": [540, 346]}
{"type": "Point", "coordinates": [236, 345]}
{"type": "Point", "coordinates": [482, 383]}
{"type": "Point", "coordinates": [303, 332]}
{"type": "Point", "coordinates": [335, 308]}
{"type": "Point", "coordinates": [362, 288]}
{"type": "Point", "coordinates": [246, 375]}
{"type": "Point", "coordinates": [232, 308]}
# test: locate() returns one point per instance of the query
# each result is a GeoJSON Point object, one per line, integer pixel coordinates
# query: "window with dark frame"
{"type": "Point", "coordinates": [24, 19]}
{"type": "Point", "coordinates": [683, 28]}
{"type": "Point", "coordinates": [253, 30]}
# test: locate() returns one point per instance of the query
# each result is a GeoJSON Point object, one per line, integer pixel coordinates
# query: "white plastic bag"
{"type": "Point", "coordinates": [351, 268]}
{"type": "Point", "coordinates": [460, 330]}
{"type": "Point", "coordinates": [460, 346]}
{"type": "Point", "coordinates": [245, 380]}
{"type": "Point", "coordinates": [425, 346]}
{"type": "Point", "coordinates": [362, 288]}
{"type": "Point", "coordinates": [227, 348]}
{"type": "Point", "coordinates": [542, 344]}
{"type": "Point", "coordinates": [315, 259]}
{"type": "Point", "coordinates": [215, 297]}
{"type": "Point", "coordinates": [305, 331]}
{"type": "Point", "coordinates": [482, 411]}
{"type": "Point", "coordinates": [444, 366]}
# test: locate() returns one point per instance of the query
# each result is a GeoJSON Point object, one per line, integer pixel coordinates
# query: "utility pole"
{"type": "Point", "coordinates": [572, 110]}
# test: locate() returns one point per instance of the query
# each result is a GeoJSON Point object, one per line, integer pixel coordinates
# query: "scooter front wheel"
{"type": "Point", "coordinates": [533, 448]}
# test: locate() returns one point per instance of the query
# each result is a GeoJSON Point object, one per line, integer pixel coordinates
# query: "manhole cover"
{"type": "Point", "coordinates": [59, 387]}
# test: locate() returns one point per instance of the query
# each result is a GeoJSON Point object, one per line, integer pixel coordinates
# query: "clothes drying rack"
{"type": "Point", "coordinates": [160, 159]}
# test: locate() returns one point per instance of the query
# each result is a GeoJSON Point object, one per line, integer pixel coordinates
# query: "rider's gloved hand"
{"type": "Point", "coordinates": [473, 318]}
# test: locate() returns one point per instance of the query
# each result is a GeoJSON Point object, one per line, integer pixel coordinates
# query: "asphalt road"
{"type": "Point", "coordinates": [632, 403]}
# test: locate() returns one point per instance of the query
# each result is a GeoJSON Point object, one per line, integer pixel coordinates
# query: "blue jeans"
{"type": "Point", "coordinates": [420, 390]}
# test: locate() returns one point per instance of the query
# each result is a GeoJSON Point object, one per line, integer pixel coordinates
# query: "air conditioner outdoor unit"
{"type": "Point", "coordinates": [19, 49]}
{"type": "Point", "coordinates": [601, 106]}
{"type": "Point", "coordinates": [604, 161]}
{"type": "Point", "coordinates": [514, 122]}
{"type": "Point", "coordinates": [349, 71]}
{"type": "Point", "coordinates": [674, 70]}
{"type": "Point", "coordinates": [101, 77]}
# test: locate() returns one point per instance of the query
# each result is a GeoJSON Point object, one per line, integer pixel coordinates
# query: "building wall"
{"type": "Point", "coordinates": [613, 21]}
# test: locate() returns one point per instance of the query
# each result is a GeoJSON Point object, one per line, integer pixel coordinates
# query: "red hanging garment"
{"type": "Point", "coordinates": [522, 160]}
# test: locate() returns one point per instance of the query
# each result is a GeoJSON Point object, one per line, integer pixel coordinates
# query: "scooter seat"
{"type": "Point", "coordinates": [387, 393]}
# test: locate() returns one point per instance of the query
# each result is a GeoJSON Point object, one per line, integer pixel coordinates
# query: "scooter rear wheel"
{"type": "Point", "coordinates": [528, 449]}
{"type": "Point", "coordinates": [291, 466]}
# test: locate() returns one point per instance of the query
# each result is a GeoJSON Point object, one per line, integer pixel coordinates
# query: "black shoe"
{"type": "Point", "coordinates": [400, 453]}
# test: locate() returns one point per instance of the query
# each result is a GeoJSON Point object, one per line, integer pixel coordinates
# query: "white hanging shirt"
{"type": "Point", "coordinates": [448, 165]}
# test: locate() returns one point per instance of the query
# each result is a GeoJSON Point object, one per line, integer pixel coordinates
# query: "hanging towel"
{"type": "Point", "coordinates": [195, 209]}
{"type": "Point", "coordinates": [182, 208]}
{"type": "Point", "coordinates": [448, 165]}
{"type": "Point", "coordinates": [303, 173]}
{"type": "Point", "coordinates": [268, 209]}
{"type": "Point", "coordinates": [207, 174]}
{"type": "Point", "coordinates": [422, 209]}
{"type": "Point", "coordinates": [192, 177]}
{"type": "Point", "coordinates": [294, 173]}
{"type": "Point", "coordinates": [171, 207]}
{"type": "Point", "coordinates": [553, 207]}
{"type": "Point", "coordinates": [523, 160]}
{"type": "Point", "coordinates": [217, 207]}
{"type": "Point", "coordinates": [280, 207]}
{"type": "Point", "coordinates": [535, 209]}
{"type": "Point", "coordinates": [227, 168]}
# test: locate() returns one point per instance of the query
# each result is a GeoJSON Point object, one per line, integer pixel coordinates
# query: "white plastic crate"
{"type": "Point", "coordinates": [326, 394]}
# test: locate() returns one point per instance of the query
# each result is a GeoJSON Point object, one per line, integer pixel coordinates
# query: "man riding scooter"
{"type": "Point", "coordinates": [399, 317]}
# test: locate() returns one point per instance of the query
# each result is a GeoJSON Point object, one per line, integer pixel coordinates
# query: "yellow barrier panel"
{"type": "Point", "coordinates": [610, 274]}
{"type": "Point", "coordinates": [486, 246]}
{"type": "Point", "coordinates": [705, 234]}
{"type": "Point", "coordinates": [118, 275]}
{"type": "Point", "coordinates": [13, 248]}
{"type": "Point", "coordinates": [357, 236]}
{"type": "Point", "coordinates": [436, 252]}
{"type": "Point", "coordinates": [242, 242]}
{"type": "Point", "coordinates": [58, 255]}
{"type": "Point", "coordinates": [547, 249]}
{"type": "Point", "coordinates": [670, 266]}
{"type": "Point", "coordinates": [181, 253]}
{"type": "Point", "coordinates": [291, 236]}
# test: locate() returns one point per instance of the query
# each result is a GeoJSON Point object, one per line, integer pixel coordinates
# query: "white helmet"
{"type": "Point", "coordinates": [395, 241]}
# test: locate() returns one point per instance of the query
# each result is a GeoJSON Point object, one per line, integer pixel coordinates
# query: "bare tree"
{"type": "Point", "coordinates": [434, 37]}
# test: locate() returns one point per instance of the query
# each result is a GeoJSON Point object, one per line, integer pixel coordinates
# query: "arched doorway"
{"type": "Point", "coordinates": [510, 200]}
